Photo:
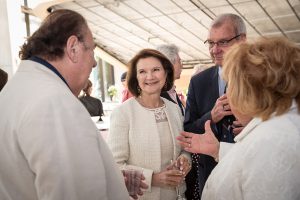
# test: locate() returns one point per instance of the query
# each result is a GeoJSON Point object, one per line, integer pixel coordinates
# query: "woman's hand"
{"type": "Point", "coordinates": [167, 178]}
{"type": "Point", "coordinates": [181, 163]}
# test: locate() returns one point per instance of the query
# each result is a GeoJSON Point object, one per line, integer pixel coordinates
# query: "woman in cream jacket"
{"type": "Point", "coordinates": [143, 129]}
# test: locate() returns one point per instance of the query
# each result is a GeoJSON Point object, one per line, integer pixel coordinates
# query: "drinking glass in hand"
{"type": "Point", "coordinates": [133, 180]}
{"type": "Point", "coordinates": [176, 165]}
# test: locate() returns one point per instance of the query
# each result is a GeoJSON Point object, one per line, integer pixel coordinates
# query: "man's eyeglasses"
{"type": "Point", "coordinates": [221, 43]}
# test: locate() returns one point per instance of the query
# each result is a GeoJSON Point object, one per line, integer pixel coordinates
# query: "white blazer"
{"type": "Point", "coordinates": [49, 146]}
{"type": "Point", "coordinates": [134, 139]}
{"type": "Point", "coordinates": [263, 164]}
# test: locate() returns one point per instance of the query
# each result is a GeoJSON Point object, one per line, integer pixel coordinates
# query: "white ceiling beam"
{"type": "Point", "coordinates": [109, 58]}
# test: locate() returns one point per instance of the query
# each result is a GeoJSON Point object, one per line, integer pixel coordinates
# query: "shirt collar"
{"type": "Point", "coordinates": [220, 71]}
{"type": "Point", "coordinates": [256, 121]}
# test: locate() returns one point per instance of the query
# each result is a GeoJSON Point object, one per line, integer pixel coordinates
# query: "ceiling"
{"type": "Point", "coordinates": [123, 27]}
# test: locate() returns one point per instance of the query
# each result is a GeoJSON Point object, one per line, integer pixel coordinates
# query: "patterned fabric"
{"type": "Point", "coordinates": [196, 192]}
{"type": "Point", "coordinates": [159, 113]}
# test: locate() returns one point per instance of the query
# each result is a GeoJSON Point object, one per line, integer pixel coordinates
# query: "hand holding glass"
{"type": "Point", "coordinates": [134, 182]}
{"type": "Point", "coordinates": [178, 166]}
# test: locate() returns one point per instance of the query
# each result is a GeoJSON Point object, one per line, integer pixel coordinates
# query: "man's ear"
{"type": "Point", "coordinates": [72, 48]}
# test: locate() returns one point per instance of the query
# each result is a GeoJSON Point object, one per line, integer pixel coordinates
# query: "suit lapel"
{"type": "Point", "coordinates": [180, 105]}
{"type": "Point", "coordinates": [167, 96]}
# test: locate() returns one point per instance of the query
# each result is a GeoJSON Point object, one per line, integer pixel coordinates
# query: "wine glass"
{"type": "Point", "coordinates": [179, 195]}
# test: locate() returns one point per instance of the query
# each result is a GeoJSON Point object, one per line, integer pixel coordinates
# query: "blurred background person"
{"type": "Point", "coordinates": [3, 78]}
{"type": "Point", "coordinates": [92, 104]}
{"type": "Point", "coordinates": [263, 84]}
{"type": "Point", "coordinates": [172, 53]}
{"type": "Point", "coordinates": [206, 99]}
{"type": "Point", "coordinates": [143, 129]}
{"type": "Point", "coordinates": [126, 94]}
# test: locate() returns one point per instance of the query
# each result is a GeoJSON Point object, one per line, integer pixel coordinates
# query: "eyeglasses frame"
{"type": "Point", "coordinates": [211, 44]}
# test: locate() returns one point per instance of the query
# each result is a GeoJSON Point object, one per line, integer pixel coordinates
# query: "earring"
{"type": "Point", "coordinates": [139, 89]}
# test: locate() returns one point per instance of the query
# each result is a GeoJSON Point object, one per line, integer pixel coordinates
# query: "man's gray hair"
{"type": "Point", "coordinates": [237, 22]}
{"type": "Point", "coordinates": [170, 51]}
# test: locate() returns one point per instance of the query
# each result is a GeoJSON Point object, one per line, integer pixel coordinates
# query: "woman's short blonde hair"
{"type": "Point", "coordinates": [263, 77]}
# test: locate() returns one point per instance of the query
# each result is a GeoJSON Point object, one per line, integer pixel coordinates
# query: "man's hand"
{"type": "Point", "coordinates": [205, 143]}
{"type": "Point", "coordinates": [134, 181]}
{"type": "Point", "coordinates": [240, 124]}
{"type": "Point", "coordinates": [237, 127]}
{"type": "Point", "coordinates": [220, 109]}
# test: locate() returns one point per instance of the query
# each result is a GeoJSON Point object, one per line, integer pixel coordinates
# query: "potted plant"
{"type": "Point", "coordinates": [112, 92]}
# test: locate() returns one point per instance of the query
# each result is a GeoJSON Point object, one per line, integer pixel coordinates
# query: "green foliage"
{"type": "Point", "coordinates": [112, 91]}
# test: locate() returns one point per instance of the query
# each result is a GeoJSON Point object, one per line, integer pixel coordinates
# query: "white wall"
{"type": "Point", "coordinates": [12, 34]}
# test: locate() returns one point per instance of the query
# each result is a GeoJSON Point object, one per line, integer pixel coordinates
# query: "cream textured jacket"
{"type": "Point", "coordinates": [135, 143]}
{"type": "Point", "coordinates": [263, 164]}
{"type": "Point", "coordinates": [49, 146]}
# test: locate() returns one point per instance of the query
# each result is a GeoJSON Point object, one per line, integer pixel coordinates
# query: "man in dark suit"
{"type": "Point", "coordinates": [172, 53]}
{"type": "Point", "coordinates": [206, 99]}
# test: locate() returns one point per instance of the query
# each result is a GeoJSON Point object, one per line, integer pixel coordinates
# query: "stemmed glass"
{"type": "Point", "coordinates": [179, 196]}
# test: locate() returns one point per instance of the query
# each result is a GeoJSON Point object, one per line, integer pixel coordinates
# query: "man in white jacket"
{"type": "Point", "coordinates": [49, 147]}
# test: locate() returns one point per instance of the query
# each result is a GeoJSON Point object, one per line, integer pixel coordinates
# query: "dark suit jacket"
{"type": "Point", "coordinates": [167, 96]}
{"type": "Point", "coordinates": [202, 95]}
